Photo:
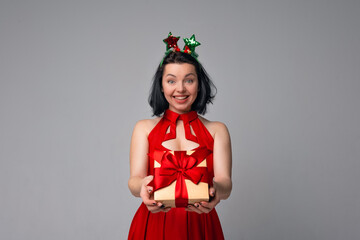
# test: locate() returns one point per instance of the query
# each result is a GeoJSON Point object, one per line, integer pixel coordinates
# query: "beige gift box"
{"type": "Point", "coordinates": [196, 192]}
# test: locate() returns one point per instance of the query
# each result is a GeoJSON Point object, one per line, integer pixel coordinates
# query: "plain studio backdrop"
{"type": "Point", "coordinates": [75, 77]}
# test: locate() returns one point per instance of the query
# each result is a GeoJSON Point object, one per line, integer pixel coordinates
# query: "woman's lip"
{"type": "Point", "coordinates": [181, 99]}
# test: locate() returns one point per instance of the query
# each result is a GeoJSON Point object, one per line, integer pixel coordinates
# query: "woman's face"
{"type": "Point", "coordinates": [180, 86]}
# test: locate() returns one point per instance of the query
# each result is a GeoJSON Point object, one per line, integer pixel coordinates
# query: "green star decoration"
{"type": "Point", "coordinates": [191, 43]}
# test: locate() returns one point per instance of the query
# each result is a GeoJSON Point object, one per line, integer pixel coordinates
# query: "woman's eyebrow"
{"type": "Point", "coordinates": [190, 74]}
{"type": "Point", "coordinates": [171, 75]}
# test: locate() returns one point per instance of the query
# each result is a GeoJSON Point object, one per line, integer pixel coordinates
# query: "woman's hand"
{"type": "Point", "coordinates": [146, 193]}
{"type": "Point", "coordinates": [205, 207]}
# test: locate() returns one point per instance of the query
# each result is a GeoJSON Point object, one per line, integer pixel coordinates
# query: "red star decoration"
{"type": "Point", "coordinates": [171, 41]}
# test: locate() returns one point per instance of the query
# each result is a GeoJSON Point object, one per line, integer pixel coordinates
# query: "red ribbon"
{"type": "Point", "coordinates": [180, 166]}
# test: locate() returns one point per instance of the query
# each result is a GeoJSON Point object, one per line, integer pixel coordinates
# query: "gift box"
{"type": "Point", "coordinates": [181, 177]}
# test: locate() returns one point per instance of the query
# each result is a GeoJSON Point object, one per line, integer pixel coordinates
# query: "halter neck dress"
{"type": "Point", "coordinates": [177, 224]}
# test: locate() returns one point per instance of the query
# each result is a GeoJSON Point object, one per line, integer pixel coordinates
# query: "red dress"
{"type": "Point", "coordinates": [177, 224]}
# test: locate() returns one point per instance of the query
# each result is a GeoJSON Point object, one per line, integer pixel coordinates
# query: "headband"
{"type": "Point", "coordinates": [171, 46]}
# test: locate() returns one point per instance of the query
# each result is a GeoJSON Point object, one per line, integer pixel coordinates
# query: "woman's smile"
{"type": "Point", "coordinates": [181, 99]}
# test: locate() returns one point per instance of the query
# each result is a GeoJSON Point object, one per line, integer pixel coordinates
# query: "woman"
{"type": "Point", "coordinates": [181, 89]}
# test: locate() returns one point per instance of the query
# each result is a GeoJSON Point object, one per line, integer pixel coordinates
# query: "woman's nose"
{"type": "Point", "coordinates": [180, 87]}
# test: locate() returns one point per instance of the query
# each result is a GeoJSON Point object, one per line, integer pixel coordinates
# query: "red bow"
{"type": "Point", "coordinates": [179, 166]}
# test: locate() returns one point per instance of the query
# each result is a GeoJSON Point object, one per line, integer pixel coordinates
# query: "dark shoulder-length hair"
{"type": "Point", "coordinates": [207, 89]}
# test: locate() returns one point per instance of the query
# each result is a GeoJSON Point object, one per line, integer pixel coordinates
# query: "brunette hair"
{"type": "Point", "coordinates": [207, 89]}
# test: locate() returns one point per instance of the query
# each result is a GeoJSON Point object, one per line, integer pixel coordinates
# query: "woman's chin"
{"type": "Point", "coordinates": [180, 109]}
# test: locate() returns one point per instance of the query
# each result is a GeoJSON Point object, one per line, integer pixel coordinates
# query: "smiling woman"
{"type": "Point", "coordinates": [180, 163]}
{"type": "Point", "coordinates": [194, 71]}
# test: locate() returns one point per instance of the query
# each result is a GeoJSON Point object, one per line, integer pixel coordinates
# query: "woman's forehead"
{"type": "Point", "coordinates": [179, 69]}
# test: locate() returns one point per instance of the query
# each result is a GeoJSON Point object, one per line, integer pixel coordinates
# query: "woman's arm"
{"type": "Point", "coordinates": [222, 159]}
{"type": "Point", "coordinates": [138, 181]}
{"type": "Point", "coordinates": [138, 157]}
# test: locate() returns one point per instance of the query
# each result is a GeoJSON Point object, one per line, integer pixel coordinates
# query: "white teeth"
{"type": "Point", "coordinates": [180, 98]}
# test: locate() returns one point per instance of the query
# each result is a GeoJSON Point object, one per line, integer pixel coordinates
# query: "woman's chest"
{"type": "Point", "coordinates": [180, 142]}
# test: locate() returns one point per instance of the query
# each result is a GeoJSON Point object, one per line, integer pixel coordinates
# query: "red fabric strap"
{"type": "Point", "coordinates": [186, 118]}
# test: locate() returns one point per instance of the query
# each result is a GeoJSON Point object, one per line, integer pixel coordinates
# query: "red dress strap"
{"type": "Point", "coordinates": [172, 117]}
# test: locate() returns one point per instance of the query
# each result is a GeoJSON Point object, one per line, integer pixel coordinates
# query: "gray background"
{"type": "Point", "coordinates": [75, 76]}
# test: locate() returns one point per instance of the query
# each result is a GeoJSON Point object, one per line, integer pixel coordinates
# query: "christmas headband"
{"type": "Point", "coordinates": [171, 46]}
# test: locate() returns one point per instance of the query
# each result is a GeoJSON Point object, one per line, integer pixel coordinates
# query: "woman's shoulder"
{"type": "Point", "coordinates": [214, 127]}
{"type": "Point", "coordinates": [146, 125]}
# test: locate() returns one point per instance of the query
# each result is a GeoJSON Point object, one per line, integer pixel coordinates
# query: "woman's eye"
{"type": "Point", "coordinates": [171, 81]}
{"type": "Point", "coordinates": [189, 81]}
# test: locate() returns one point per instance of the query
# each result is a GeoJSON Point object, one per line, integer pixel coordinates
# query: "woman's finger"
{"type": "Point", "coordinates": [193, 208]}
{"type": "Point", "coordinates": [149, 202]}
{"type": "Point", "coordinates": [166, 209]}
{"type": "Point", "coordinates": [146, 191]}
{"type": "Point", "coordinates": [158, 208]}
{"type": "Point", "coordinates": [154, 207]}
{"type": "Point", "coordinates": [212, 192]}
{"type": "Point", "coordinates": [163, 208]}
{"type": "Point", "coordinates": [212, 203]}
{"type": "Point", "coordinates": [209, 205]}
{"type": "Point", "coordinates": [146, 196]}
{"type": "Point", "coordinates": [204, 209]}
